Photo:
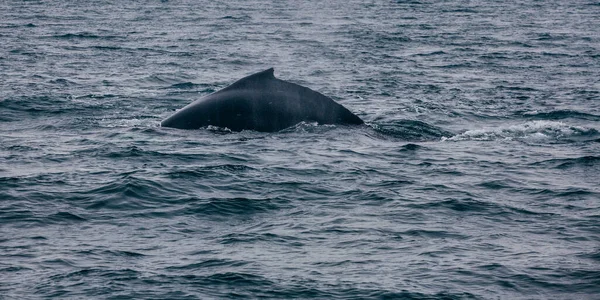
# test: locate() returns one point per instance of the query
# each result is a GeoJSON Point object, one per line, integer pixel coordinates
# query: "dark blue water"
{"type": "Point", "coordinates": [477, 176]}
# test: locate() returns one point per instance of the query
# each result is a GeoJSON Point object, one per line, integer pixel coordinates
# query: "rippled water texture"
{"type": "Point", "coordinates": [476, 176]}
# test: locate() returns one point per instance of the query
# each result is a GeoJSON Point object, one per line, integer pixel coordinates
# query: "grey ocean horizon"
{"type": "Point", "coordinates": [476, 176]}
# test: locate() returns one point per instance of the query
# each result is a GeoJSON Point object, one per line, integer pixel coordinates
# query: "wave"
{"type": "Point", "coordinates": [198, 282]}
{"type": "Point", "coordinates": [184, 85]}
{"type": "Point", "coordinates": [38, 104]}
{"type": "Point", "coordinates": [63, 82]}
{"type": "Point", "coordinates": [84, 35]}
{"type": "Point", "coordinates": [561, 114]}
{"type": "Point", "coordinates": [66, 217]}
{"type": "Point", "coordinates": [473, 206]}
{"type": "Point", "coordinates": [410, 147]}
{"type": "Point", "coordinates": [223, 207]}
{"type": "Point", "coordinates": [242, 285]}
{"type": "Point", "coordinates": [411, 130]}
{"type": "Point", "coordinates": [269, 238]}
{"type": "Point", "coordinates": [205, 264]}
{"type": "Point", "coordinates": [568, 163]}
{"type": "Point", "coordinates": [204, 171]}
{"type": "Point", "coordinates": [532, 131]}
{"type": "Point", "coordinates": [154, 198]}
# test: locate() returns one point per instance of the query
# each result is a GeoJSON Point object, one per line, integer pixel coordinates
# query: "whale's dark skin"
{"type": "Point", "coordinates": [261, 102]}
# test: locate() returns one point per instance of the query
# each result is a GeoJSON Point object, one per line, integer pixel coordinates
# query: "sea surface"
{"type": "Point", "coordinates": [477, 175]}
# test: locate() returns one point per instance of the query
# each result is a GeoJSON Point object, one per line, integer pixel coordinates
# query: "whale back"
{"type": "Point", "coordinates": [261, 102]}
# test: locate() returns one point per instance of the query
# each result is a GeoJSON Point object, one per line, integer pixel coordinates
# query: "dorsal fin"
{"type": "Point", "coordinates": [253, 80]}
{"type": "Point", "coordinates": [266, 74]}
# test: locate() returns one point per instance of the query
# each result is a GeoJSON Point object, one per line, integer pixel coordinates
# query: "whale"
{"type": "Point", "coordinates": [261, 102]}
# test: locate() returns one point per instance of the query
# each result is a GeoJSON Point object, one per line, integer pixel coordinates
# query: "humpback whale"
{"type": "Point", "coordinates": [261, 102]}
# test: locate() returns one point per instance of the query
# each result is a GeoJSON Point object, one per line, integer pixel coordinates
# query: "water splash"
{"type": "Point", "coordinates": [533, 131]}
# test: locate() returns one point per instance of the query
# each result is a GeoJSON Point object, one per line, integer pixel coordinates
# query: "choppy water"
{"type": "Point", "coordinates": [477, 177]}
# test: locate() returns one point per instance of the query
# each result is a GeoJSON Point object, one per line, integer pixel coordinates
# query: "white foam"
{"type": "Point", "coordinates": [135, 122]}
{"type": "Point", "coordinates": [536, 131]}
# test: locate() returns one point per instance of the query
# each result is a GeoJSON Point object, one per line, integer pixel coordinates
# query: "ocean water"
{"type": "Point", "coordinates": [476, 177]}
